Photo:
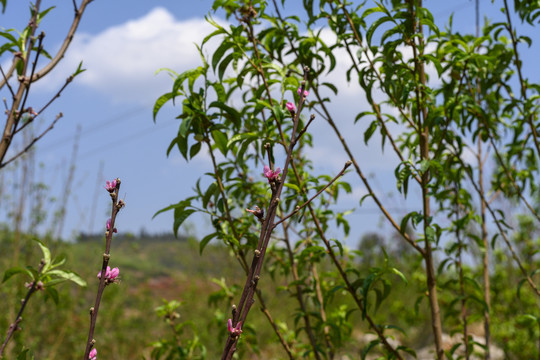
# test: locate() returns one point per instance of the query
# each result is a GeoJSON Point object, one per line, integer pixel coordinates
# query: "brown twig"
{"type": "Point", "coordinates": [13, 114]}
{"type": "Point", "coordinates": [246, 299]}
{"type": "Point", "coordinates": [502, 232]}
{"type": "Point", "coordinates": [14, 326]}
{"type": "Point", "coordinates": [19, 98]}
{"type": "Point", "coordinates": [523, 86]}
{"type": "Point", "coordinates": [299, 292]}
{"type": "Point", "coordinates": [366, 183]}
{"type": "Point", "coordinates": [239, 253]}
{"type": "Point", "coordinates": [6, 79]}
{"type": "Point", "coordinates": [300, 207]}
{"type": "Point", "coordinates": [29, 146]}
{"type": "Point", "coordinates": [115, 208]}
{"type": "Point", "coordinates": [67, 41]}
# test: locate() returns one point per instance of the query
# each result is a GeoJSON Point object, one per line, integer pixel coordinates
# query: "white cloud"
{"type": "Point", "coordinates": [121, 60]}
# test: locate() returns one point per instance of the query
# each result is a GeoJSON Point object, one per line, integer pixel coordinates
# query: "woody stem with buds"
{"type": "Point", "coordinates": [117, 204]}
{"type": "Point", "coordinates": [241, 311]}
{"type": "Point", "coordinates": [14, 326]}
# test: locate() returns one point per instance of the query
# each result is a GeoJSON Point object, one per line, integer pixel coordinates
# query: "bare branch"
{"type": "Point", "coordinates": [69, 37]}
{"type": "Point", "coordinates": [298, 208]}
{"type": "Point", "coordinates": [5, 79]}
{"type": "Point", "coordinates": [36, 139]}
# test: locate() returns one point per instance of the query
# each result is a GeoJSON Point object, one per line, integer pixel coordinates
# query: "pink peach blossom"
{"type": "Point", "coordinates": [234, 331]}
{"type": "Point", "coordinates": [306, 93]}
{"type": "Point", "coordinates": [271, 174]}
{"type": "Point", "coordinates": [93, 354]}
{"type": "Point", "coordinates": [291, 107]}
{"type": "Point", "coordinates": [110, 186]}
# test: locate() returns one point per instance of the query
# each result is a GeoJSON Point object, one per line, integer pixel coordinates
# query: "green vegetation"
{"type": "Point", "coordinates": [455, 279]}
{"type": "Point", "coordinates": [161, 267]}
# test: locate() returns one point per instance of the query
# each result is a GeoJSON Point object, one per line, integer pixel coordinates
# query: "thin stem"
{"type": "Point", "coordinates": [24, 81]}
{"type": "Point", "coordinates": [377, 110]}
{"type": "Point", "coordinates": [485, 257]}
{"type": "Point", "coordinates": [240, 255]}
{"type": "Point", "coordinates": [320, 299]}
{"type": "Point", "coordinates": [365, 50]}
{"type": "Point", "coordinates": [459, 265]}
{"type": "Point", "coordinates": [14, 326]}
{"type": "Point", "coordinates": [34, 140]}
{"type": "Point", "coordinates": [298, 208]}
{"type": "Point", "coordinates": [7, 76]}
{"type": "Point", "coordinates": [502, 233]}
{"type": "Point", "coordinates": [523, 86]}
{"type": "Point", "coordinates": [299, 292]}
{"type": "Point", "coordinates": [115, 208]}
{"type": "Point", "coordinates": [6, 80]}
{"type": "Point", "coordinates": [423, 133]}
{"type": "Point", "coordinates": [14, 115]}
{"type": "Point", "coordinates": [67, 41]}
{"type": "Point", "coordinates": [33, 70]}
{"type": "Point", "coordinates": [348, 284]}
{"type": "Point", "coordinates": [512, 179]}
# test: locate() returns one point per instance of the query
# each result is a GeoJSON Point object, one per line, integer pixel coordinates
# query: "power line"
{"type": "Point", "coordinates": [124, 140]}
{"type": "Point", "coordinates": [98, 126]}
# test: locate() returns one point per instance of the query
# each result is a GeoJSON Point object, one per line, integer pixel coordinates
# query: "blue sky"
{"type": "Point", "coordinates": [122, 43]}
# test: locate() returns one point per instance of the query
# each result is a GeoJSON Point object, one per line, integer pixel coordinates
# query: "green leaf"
{"type": "Point", "coordinates": [240, 137]}
{"type": "Point", "coordinates": [180, 215]}
{"type": "Point", "coordinates": [205, 241]}
{"type": "Point", "coordinates": [46, 254]}
{"type": "Point", "coordinates": [232, 113]}
{"type": "Point", "coordinates": [224, 63]}
{"type": "Point", "coordinates": [339, 246]}
{"type": "Point", "coordinates": [79, 70]}
{"type": "Point", "coordinates": [221, 141]}
{"type": "Point", "coordinates": [400, 274]}
{"type": "Point", "coordinates": [219, 52]}
{"type": "Point", "coordinates": [67, 275]}
{"type": "Point", "coordinates": [42, 14]}
{"type": "Point", "coordinates": [182, 204]}
{"type": "Point", "coordinates": [374, 26]}
{"type": "Point", "coordinates": [53, 294]}
{"type": "Point", "coordinates": [22, 355]}
{"type": "Point", "coordinates": [292, 186]}
{"type": "Point", "coordinates": [194, 149]}
{"type": "Point", "coordinates": [14, 271]}
{"type": "Point", "coordinates": [160, 102]}
{"type": "Point", "coordinates": [370, 130]}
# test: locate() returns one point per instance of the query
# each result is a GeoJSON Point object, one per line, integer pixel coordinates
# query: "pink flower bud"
{"type": "Point", "coordinates": [93, 354]}
{"type": "Point", "coordinates": [234, 331]}
{"type": "Point", "coordinates": [109, 225]}
{"type": "Point", "coordinates": [107, 272]}
{"type": "Point", "coordinates": [291, 107]}
{"type": "Point", "coordinates": [306, 93]}
{"type": "Point", "coordinates": [271, 175]}
{"type": "Point", "coordinates": [110, 186]}
{"type": "Point", "coordinates": [267, 172]}
{"type": "Point", "coordinates": [258, 212]}
{"type": "Point", "coordinates": [238, 328]}
{"type": "Point", "coordinates": [110, 275]}
{"type": "Point", "coordinates": [114, 273]}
